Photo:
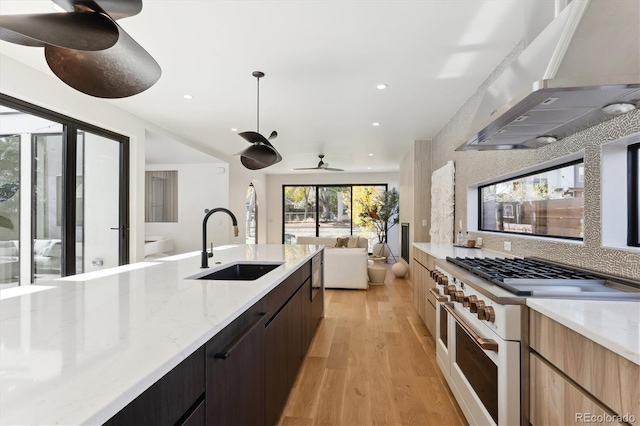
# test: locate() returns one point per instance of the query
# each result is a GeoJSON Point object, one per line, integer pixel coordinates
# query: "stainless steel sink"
{"type": "Point", "coordinates": [238, 271]}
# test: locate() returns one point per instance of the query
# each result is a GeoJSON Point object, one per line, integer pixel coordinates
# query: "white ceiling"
{"type": "Point", "coordinates": [322, 60]}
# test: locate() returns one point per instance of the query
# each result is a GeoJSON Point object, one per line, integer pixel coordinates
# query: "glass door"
{"type": "Point", "coordinates": [334, 214]}
{"type": "Point", "coordinates": [63, 195]}
{"type": "Point", "coordinates": [299, 212]}
{"type": "Point", "coordinates": [100, 232]}
{"type": "Point", "coordinates": [9, 208]}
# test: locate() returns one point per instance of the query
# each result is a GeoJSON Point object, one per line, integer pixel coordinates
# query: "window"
{"type": "Point", "coordinates": [161, 189]}
{"type": "Point", "coordinates": [548, 203]}
{"type": "Point", "coordinates": [325, 211]}
{"type": "Point", "coordinates": [633, 187]}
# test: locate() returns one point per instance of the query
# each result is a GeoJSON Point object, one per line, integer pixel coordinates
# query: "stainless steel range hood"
{"type": "Point", "coordinates": [586, 58]}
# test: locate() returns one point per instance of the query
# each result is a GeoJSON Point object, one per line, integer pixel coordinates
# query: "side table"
{"type": "Point", "coordinates": [376, 271]}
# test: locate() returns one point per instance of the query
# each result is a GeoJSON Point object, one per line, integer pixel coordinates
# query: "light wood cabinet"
{"type": "Point", "coordinates": [423, 301]}
{"type": "Point", "coordinates": [600, 375]}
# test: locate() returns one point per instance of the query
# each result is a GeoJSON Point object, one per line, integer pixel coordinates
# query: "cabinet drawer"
{"type": "Point", "coordinates": [167, 400]}
{"type": "Point", "coordinates": [609, 377]}
{"type": "Point", "coordinates": [425, 259]}
{"type": "Point", "coordinates": [557, 401]}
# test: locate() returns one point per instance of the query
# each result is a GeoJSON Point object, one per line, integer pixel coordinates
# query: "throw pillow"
{"type": "Point", "coordinates": [353, 242]}
{"type": "Point", "coordinates": [342, 242]}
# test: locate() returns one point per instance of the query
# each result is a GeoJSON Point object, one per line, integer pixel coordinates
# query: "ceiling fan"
{"type": "Point", "coordinates": [321, 166]}
{"type": "Point", "coordinates": [86, 48]}
{"type": "Point", "coordinates": [261, 153]}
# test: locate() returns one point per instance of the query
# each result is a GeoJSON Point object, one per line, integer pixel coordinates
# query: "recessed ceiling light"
{"type": "Point", "coordinates": [618, 108]}
{"type": "Point", "coordinates": [368, 168]}
{"type": "Point", "coordinates": [381, 86]}
{"type": "Point", "coordinates": [188, 97]}
{"type": "Point", "coordinates": [376, 123]}
{"type": "Point", "coordinates": [233, 129]}
{"type": "Point", "coordinates": [371, 154]}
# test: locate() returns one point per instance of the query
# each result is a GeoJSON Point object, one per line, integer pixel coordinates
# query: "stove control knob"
{"type": "Point", "coordinates": [450, 290]}
{"type": "Point", "coordinates": [474, 307]}
{"type": "Point", "coordinates": [445, 280]}
{"type": "Point", "coordinates": [486, 313]}
{"type": "Point", "coordinates": [458, 296]}
{"type": "Point", "coordinates": [469, 300]}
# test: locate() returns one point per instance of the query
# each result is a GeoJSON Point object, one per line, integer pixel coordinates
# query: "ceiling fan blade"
{"type": "Point", "coordinates": [273, 135]}
{"type": "Point", "coordinates": [13, 37]}
{"type": "Point", "coordinates": [254, 137]}
{"type": "Point", "coordinates": [124, 70]}
{"type": "Point", "coordinates": [306, 168]}
{"type": "Point", "coordinates": [75, 30]}
{"type": "Point", "coordinates": [117, 9]}
{"type": "Point", "coordinates": [332, 169]}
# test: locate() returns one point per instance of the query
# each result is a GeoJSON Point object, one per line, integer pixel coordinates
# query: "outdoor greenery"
{"type": "Point", "coordinates": [9, 181]}
{"type": "Point", "coordinates": [379, 211]}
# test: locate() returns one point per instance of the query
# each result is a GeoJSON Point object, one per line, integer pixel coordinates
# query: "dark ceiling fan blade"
{"type": "Point", "coordinates": [75, 30]}
{"type": "Point", "coordinates": [273, 135]}
{"type": "Point", "coordinates": [124, 70]}
{"type": "Point", "coordinates": [306, 168]}
{"type": "Point", "coordinates": [333, 169]}
{"type": "Point", "coordinates": [117, 9]}
{"type": "Point", "coordinates": [13, 37]}
{"type": "Point", "coordinates": [254, 137]}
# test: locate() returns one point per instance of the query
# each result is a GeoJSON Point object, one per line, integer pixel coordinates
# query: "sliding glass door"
{"type": "Point", "coordinates": [73, 215]}
{"type": "Point", "coordinates": [326, 211]}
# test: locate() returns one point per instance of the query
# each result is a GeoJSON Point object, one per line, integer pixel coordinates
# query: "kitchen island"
{"type": "Point", "coordinates": [85, 346]}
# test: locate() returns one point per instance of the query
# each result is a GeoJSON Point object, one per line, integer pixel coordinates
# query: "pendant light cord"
{"type": "Point", "coordinates": [258, 113]}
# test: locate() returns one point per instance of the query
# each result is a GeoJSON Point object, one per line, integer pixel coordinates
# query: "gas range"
{"type": "Point", "coordinates": [531, 277]}
{"type": "Point", "coordinates": [482, 325]}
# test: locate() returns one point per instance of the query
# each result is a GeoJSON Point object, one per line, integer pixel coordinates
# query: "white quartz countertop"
{"type": "Point", "coordinates": [83, 348]}
{"type": "Point", "coordinates": [612, 324]}
{"type": "Point", "coordinates": [441, 251]}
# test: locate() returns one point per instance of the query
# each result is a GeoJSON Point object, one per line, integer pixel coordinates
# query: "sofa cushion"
{"type": "Point", "coordinates": [342, 242]}
{"type": "Point", "coordinates": [352, 242]}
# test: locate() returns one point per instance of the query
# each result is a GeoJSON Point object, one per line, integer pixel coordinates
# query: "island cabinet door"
{"type": "Point", "coordinates": [283, 354]}
{"type": "Point", "coordinates": [235, 372]}
{"type": "Point", "coordinates": [174, 399]}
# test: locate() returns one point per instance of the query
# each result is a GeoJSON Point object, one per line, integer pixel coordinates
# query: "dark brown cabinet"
{"type": "Point", "coordinates": [243, 375]}
{"type": "Point", "coordinates": [235, 371]}
{"type": "Point", "coordinates": [173, 399]}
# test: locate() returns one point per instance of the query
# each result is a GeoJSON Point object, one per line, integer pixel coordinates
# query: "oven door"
{"type": "Point", "coordinates": [442, 334]}
{"type": "Point", "coordinates": [485, 371]}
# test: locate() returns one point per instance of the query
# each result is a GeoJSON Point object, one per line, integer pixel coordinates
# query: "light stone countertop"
{"type": "Point", "coordinates": [81, 349]}
{"type": "Point", "coordinates": [441, 251]}
{"type": "Point", "coordinates": [612, 324]}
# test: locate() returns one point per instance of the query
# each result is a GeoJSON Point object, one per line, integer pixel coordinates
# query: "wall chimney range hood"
{"type": "Point", "coordinates": [587, 58]}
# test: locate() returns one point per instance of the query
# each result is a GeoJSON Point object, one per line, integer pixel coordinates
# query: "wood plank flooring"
{"type": "Point", "coordinates": [372, 362]}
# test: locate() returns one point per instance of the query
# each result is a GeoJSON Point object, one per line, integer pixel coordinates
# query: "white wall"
{"type": "Point", "coordinates": [200, 187]}
{"type": "Point", "coordinates": [274, 194]}
{"type": "Point", "coordinates": [44, 90]}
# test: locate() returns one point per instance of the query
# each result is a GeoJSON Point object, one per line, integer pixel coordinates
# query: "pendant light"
{"type": "Point", "coordinates": [261, 153]}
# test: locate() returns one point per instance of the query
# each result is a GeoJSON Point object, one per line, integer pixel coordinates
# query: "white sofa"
{"type": "Point", "coordinates": [343, 267]}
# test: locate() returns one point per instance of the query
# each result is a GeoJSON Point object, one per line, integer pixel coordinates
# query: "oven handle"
{"type": "Point", "coordinates": [437, 295]}
{"type": "Point", "coordinates": [485, 344]}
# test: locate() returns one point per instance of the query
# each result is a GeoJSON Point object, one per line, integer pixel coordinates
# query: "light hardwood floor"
{"type": "Point", "coordinates": [372, 362]}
